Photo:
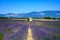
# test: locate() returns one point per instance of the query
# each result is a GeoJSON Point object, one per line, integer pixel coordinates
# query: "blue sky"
{"type": "Point", "coordinates": [25, 6]}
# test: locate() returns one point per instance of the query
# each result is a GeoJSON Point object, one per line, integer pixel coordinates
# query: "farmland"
{"type": "Point", "coordinates": [13, 29]}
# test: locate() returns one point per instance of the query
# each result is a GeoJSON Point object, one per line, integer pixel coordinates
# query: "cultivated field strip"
{"type": "Point", "coordinates": [41, 30]}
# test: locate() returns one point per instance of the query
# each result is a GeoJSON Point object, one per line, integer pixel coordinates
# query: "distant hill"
{"type": "Point", "coordinates": [33, 14]}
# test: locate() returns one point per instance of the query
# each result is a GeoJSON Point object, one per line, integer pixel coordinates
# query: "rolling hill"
{"type": "Point", "coordinates": [33, 14]}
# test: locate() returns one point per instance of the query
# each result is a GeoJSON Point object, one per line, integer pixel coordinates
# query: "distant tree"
{"type": "Point", "coordinates": [3, 17]}
{"type": "Point", "coordinates": [47, 17]}
{"type": "Point", "coordinates": [53, 18]}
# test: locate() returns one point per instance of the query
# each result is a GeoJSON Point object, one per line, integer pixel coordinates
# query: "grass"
{"type": "Point", "coordinates": [57, 35]}
{"type": "Point", "coordinates": [1, 36]}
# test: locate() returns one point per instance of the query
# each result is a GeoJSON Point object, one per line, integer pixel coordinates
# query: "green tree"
{"type": "Point", "coordinates": [47, 17]}
{"type": "Point", "coordinates": [53, 18]}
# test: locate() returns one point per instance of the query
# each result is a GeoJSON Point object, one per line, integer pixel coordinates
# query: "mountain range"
{"type": "Point", "coordinates": [33, 14]}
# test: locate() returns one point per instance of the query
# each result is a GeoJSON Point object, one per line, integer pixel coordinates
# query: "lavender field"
{"type": "Point", "coordinates": [18, 29]}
